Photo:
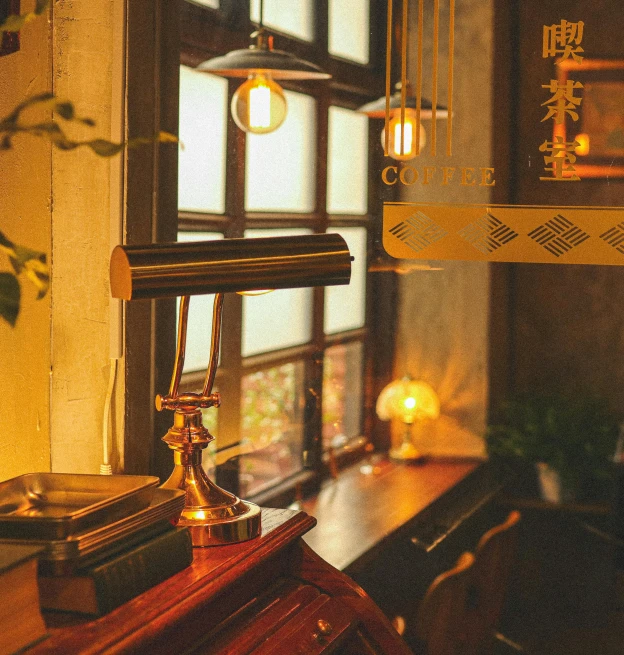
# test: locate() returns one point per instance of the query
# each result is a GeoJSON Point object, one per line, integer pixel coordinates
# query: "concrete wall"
{"type": "Point", "coordinates": [443, 314]}
{"type": "Point", "coordinates": [25, 212]}
{"type": "Point", "coordinates": [55, 364]}
{"type": "Point", "coordinates": [84, 47]}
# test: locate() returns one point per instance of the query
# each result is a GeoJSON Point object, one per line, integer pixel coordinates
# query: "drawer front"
{"type": "Point", "coordinates": [320, 627]}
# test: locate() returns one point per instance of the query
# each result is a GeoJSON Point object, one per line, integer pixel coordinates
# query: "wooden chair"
{"type": "Point", "coordinates": [439, 623]}
{"type": "Point", "coordinates": [494, 557]}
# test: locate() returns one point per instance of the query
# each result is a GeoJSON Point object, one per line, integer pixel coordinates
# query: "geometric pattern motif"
{"type": "Point", "coordinates": [418, 231]}
{"type": "Point", "coordinates": [558, 235]}
{"type": "Point", "coordinates": [487, 234]}
{"type": "Point", "coordinates": [615, 237]}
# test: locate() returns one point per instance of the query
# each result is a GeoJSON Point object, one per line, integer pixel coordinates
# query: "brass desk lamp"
{"type": "Point", "coordinates": [213, 515]}
{"type": "Point", "coordinates": [412, 402]}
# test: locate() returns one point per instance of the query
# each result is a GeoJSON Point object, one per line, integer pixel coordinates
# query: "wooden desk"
{"type": "Point", "coordinates": [268, 596]}
{"type": "Point", "coordinates": [357, 514]}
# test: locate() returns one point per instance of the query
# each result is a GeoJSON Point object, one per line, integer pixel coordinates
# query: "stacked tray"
{"type": "Point", "coordinates": [79, 519]}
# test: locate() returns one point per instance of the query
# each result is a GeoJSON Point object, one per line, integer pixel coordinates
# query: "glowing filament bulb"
{"type": "Point", "coordinates": [259, 105]}
{"type": "Point", "coordinates": [407, 137]}
{"type": "Point", "coordinates": [402, 136]}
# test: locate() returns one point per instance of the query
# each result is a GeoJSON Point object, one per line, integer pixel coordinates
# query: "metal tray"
{"type": "Point", "coordinates": [64, 556]}
{"type": "Point", "coordinates": [57, 505]}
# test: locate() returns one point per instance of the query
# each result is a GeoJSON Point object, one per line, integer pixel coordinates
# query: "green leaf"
{"type": "Point", "coordinates": [9, 298]}
{"type": "Point", "coordinates": [31, 263]}
{"type": "Point", "coordinates": [45, 100]}
{"type": "Point", "coordinates": [65, 110]}
{"type": "Point", "coordinates": [104, 148]}
{"type": "Point", "coordinates": [15, 22]}
{"type": "Point", "coordinates": [5, 243]}
{"type": "Point", "coordinates": [11, 125]}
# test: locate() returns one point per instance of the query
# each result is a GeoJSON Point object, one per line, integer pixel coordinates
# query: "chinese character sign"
{"type": "Point", "coordinates": [562, 41]}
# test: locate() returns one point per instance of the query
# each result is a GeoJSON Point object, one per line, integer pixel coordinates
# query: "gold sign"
{"type": "Point", "coordinates": [505, 233]}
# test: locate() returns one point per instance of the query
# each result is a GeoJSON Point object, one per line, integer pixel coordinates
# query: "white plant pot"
{"type": "Point", "coordinates": [549, 483]}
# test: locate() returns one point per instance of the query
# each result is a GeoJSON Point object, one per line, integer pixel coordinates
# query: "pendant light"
{"type": "Point", "coordinates": [407, 136]}
{"type": "Point", "coordinates": [259, 105]}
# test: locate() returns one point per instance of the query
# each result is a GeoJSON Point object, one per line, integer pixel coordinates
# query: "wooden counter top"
{"type": "Point", "coordinates": [357, 513]}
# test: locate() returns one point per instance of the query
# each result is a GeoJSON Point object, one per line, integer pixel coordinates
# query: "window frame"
{"type": "Point", "coordinates": [206, 32]}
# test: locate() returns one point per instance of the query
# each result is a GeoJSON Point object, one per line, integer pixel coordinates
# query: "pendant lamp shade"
{"type": "Point", "coordinates": [261, 58]}
{"type": "Point", "coordinates": [377, 108]}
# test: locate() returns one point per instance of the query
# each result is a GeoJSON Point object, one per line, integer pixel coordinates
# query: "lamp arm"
{"type": "Point", "coordinates": [215, 340]}
{"type": "Point", "coordinates": [173, 400]}
{"type": "Point", "coordinates": [180, 347]}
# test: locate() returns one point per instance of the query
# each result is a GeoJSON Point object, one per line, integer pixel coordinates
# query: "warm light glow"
{"type": "Point", "coordinates": [408, 132]}
{"type": "Point", "coordinates": [258, 292]}
{"type": "Point", "coordinates": [402, 136]}
{"type": "Point", "coordinates": [408, 400]}
{"type": "Point", "coordinates": [583, 141]}
{"type": "Point", "coordinates": [259, 105]}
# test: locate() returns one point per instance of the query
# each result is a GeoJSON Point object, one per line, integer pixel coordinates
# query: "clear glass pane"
{"type": "Point", "coordinates": [203, 120]}
{"type": "Point", "coordinates": [199, 327]}
{"type": "Point", "coordinates": [342, 394]}
{"type": "Point", "coordinates": [207, 3]}
{"type": "Point", "coordinates": [294, 17]}
{"type": "Point", "coordinates": [347, 162]}
{"type": "Point", "coordinates": [279, 319]}
{"type": "Point", "coordinates": [281, 165]}
{"type": "Point", "coordinates": [349, 26]}
{"type": "Point", "coordinates": [271, 426]}
{"type": "Point", "coordinates": [345, 306]}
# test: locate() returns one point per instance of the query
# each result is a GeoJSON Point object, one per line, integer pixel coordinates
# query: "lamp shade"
{"type": "Point", "coordinates": [407, 400]}
{"type": "Point", "coordinates": [199, 267]}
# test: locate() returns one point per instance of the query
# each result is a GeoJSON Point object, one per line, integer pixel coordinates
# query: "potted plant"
{"type": "Point", "coordinates": [571, 440]}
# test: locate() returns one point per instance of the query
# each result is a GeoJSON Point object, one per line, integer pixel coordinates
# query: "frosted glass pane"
{"type": "Point", "coordinates": [199, 327]}
{"type": "Point", "coordinates": [342, 394]}
{"type": "Point", "coordinates": [281, 165]}
{"type": "Point", "coordinates": [203, 119]}
{"type": "Point", "coordinates": [271, 427]}
{"type": "Point", "coordinates": [349, 22]}
{"type": "Point", "coordinates": [294, 17]}
{"type": "Point", "coordinates": [345, 306]}
{"type": "Point", "coordinates": [279, 319]}
{"type": "Point", "coordinates": [347, 162]}
{"type": "Point", "coordinates": [207, 3]}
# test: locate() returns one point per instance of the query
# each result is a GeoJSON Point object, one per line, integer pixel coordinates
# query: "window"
{"type": "Point", "coordinates": [292, 362]}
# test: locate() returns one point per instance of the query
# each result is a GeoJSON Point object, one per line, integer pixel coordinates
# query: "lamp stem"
{"type": "Point", "coordinates": [261, 25]}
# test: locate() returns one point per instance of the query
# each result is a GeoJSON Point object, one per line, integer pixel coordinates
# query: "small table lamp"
{"type": "Point", "coordinates": [213, 515]}
{"type": "Point", "coordinates": [410, 401]}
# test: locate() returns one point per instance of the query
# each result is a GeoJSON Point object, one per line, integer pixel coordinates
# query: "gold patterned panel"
{"type": "Point", "coordinates": [505, 233]}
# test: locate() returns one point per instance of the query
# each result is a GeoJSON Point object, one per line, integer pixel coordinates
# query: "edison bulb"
{"type": "Point", "coordinates": [259, 105]}
{"type": "Point", "coordinates": [405, 148]}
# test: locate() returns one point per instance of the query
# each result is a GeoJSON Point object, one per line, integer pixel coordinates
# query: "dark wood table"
{"type": "Point", "coordinates": [357, 514]}
{"type": "Point", "coordinates": [269, 596]}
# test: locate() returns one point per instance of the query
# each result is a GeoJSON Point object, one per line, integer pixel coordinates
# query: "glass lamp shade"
{"type": "Point", "coordinates": [259, 105]}
{"type": "Point", "coordinates": [402, 144]}
{"type": "Point", "coordinates": [407, 400]}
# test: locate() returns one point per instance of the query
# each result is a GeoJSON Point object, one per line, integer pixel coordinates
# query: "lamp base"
{"type": "Point", "coordinates": [407, 453]}
{"type": "Point", "coordinates": [213, 516]}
